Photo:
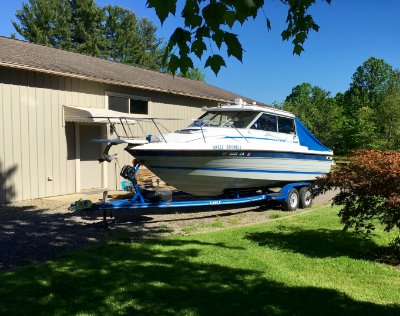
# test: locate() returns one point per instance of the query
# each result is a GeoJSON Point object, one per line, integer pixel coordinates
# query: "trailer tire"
{"type": "Point", "coordinates": [292, 202]}
{"type": "Point", "coordinates": [306, 197]}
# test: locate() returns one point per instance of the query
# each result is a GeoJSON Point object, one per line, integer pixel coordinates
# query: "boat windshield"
{"type": "Point", "coordinates": [237, 119]}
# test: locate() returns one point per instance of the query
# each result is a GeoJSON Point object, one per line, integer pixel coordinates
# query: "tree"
{"type": "Point", "coordinates": [80, 25]}
{"type": "Point", "coordinates": [368, 108]}
{"type": "Point", "coordinates": [152, 55]}
{"type": "Point", "coordinates": [131, 40]}
{"type": "Point", "coordinates": [87, 27]}
{"type": "Point", "coordinates": [389, 115]}
{"type": "Point", "coordinates": [37, 22]}
{"type": "Point", "coordinates": [319, 112]}
{"type": "Point", "coordinates": [370, 82]}
{"type": "Point", "coordinates": [121, 33]}
{"type": "Point", "coordinates": [212, 21]}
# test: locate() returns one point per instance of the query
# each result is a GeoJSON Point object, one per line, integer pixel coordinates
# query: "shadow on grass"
{"type": "Point", "coordinates": [318, 243]}
{"type": "Point", "coordinates": [163, 277]}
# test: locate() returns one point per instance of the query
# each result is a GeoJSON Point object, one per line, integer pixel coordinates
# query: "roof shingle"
{"type": "Point", "coordinates": [29, 56]}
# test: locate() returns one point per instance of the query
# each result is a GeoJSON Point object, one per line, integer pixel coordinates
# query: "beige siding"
{"type": "Point", "coordinates": [16, 132]}
{"type": "Point", "coordinates": [2, 155]}
{"type": "Point", "coordinates": [32, 131]}
{"type": "Point", "coordinates": [62, 136]}
{"type": "Point", "coordinates": [35, 143]}
{"type": "Point", "coordinates": [40, 136]}
{"type": "Point", "coordinates": [47, 126]}
{"type": "Point", "coordinates": [24, 134]}
{"type": "Point", "coordinates": [9, 166]}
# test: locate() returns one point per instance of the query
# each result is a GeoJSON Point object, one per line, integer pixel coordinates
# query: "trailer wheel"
{"type": "Point", "coordinates": [292, 202]}
{"type": "Point", "coordinates": [306, 197]}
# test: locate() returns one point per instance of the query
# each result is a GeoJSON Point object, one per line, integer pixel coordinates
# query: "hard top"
{"type": "Point", "coordinates": [245, 107]}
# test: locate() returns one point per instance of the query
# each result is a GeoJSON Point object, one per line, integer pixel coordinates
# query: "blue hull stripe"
{"type": "Point", "coordinates": [237, 170]}
{"type": "Point", "coordinates": [226, 153]}
{"type": "Point", "coordinates": [262, 138]}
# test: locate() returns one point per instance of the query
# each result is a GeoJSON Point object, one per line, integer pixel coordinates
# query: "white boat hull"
{"type": "Point", "coordinates": [208, 173]}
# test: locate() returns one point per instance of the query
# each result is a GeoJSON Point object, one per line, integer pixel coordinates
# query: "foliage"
{"type": "Point", "coordinates": [86, 27]}
{"type": "Point", "coordinates": [69, 24]}
{"type": "Point", "coordinates": [304, 265]}
{"type": "Point", "coordinates": [131, 40]}
{"type": "Point", "coordinates": [366, 116]}
{"type": "Point", "coordinates": [369, 191]}
{"type": "Point", "coordinates": [388, 120]}
{"type": "Point", "coordinates": [390, 114]}
{"type": "Point", "coordinates": [370, 82]}
{"type": "Point", "coordinates": [193, 73]}
{"type": "Point", "coordinates": [212, 21]}
{"type": "Point", "coordinates": [111, 32]}
{"type": "Point", "coordinates": [368, 106]}
{"type": "Point", "coordinates": [318, 111]}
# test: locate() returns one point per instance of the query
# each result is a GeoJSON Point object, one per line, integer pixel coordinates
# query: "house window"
{"type": "Point", "coordinates": [119, 104]}
{"type": "Point", "coordinates": [128, 105]}
{"type": "Point", "coordinates": [139, 106]}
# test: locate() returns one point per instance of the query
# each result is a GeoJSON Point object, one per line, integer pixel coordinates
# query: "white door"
{"type": "Point", "coordinates": [91, 169]}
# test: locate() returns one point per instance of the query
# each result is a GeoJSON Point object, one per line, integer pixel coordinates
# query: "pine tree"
{"type": "Point", "coordinates": [111, 32]}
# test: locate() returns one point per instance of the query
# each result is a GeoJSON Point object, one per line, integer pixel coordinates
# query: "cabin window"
{"type": "Point", "coordinates": [286, 125]}
{"type": "Point", "coordinates": [127, 105]}
{"type": "Point", "coordinates": [243, 119]}
{"type": "Point", "coordinates": [266, 122]}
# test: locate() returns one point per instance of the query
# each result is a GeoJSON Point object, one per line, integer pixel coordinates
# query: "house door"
{"type": "Point", "coordinates": [90, 168]}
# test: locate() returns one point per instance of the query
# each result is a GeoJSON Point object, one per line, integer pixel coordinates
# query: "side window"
{"type": "Point", "coordinates": [139, 106]}
{"type": "Point", "coordinates": [265, 122]}
{"type": "Point", "coordinates": [127, 105]}
{"type": "Point", "coordinates": [119, 104]}
{"type": "Point", "coordinates": [286, 125]}
{"type": "Point", "coordinates": [243, 119]}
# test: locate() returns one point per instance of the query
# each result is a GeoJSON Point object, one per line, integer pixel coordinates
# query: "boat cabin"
{"type": "Point", "coordinates": [248, 117]}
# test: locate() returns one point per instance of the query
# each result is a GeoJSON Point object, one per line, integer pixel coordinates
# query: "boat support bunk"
{"type": "Point", "coordinates": [291, 196]}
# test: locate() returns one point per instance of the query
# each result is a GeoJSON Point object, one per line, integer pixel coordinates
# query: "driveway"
{"type": "Point", "coordinates": [43, 229]}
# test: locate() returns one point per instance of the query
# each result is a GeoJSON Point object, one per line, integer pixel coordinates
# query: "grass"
{"type": "Point", "coordinates": [302, 265]}
{"type": "Point", "coordinates": [277, 215]}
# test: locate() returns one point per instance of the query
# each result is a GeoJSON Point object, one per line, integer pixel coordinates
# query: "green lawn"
{"type": "Point", "coordinates": [302, 265]}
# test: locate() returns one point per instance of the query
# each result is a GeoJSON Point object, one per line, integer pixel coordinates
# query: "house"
{"type": "Point", "coordinates": [47, 99]}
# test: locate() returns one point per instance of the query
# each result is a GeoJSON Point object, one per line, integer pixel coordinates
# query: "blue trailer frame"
{"type": "Point", "coordinates": [139, 202]}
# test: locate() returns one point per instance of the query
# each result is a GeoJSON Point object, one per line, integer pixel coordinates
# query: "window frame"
{"type": "Point", "coordinates": [259, 116]}
{"type": "Point", "coordinates": [277, 123]}
{"type": "Point", "coordinates": [129, 97]}
{"type": "Point", "coordinates": [286, 117]}
{"type": "Point", "coordinates": [230, 120]}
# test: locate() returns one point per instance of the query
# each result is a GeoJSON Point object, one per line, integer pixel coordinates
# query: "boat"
{"type": "Point", "coordinates": [235, 147]}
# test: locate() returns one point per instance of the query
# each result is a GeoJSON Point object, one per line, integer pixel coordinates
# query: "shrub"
{"type": "Point", "coordinates": [369, 187]}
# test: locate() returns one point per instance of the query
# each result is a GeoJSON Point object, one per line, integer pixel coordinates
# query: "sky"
{"type": "Point", "coordinates": [350, 32]}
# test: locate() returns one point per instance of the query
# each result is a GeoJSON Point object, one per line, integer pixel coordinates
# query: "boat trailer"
{"type": "Point", "coordinates": [291, 196]}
